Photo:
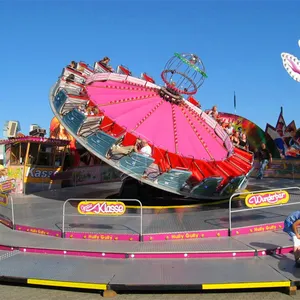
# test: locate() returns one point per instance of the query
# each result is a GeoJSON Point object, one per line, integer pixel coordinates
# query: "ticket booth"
{"type": "Point", "coordinates": [32, 160]}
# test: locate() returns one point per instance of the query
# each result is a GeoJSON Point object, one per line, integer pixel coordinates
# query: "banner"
{"type": "Point", "coordinates": [267, 199]}
{"type": "Point", "coordinates": [285, 137]}
{"type": "Point", "coordinates": [37, 174]}
{"type": "Point", "coordinates": [107, 208]}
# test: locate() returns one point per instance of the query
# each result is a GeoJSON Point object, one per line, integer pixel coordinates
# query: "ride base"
{"type": "Point", "coordinates": [183, 248]}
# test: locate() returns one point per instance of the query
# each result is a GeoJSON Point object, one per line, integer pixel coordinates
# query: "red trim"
{"type": "Point", "coordinates": [41, 140]}
{"type": "Point", "coordinates": [125, 70]}
{"type": "Point", "coordinates": [176, 161]}
{"type": "Point", "coordinates": [129, 139]}
{"type": "Point", "coordinates": [160, 160]}
{"type": "Point", "coordinates": [240, 163]}
{"type": "Point", "coordinates": [83, 64]}
{"type": "Point", "coordinates": [104, 67]}
{"type": "Point", "coordinates": [116, 130]}
{"type": "Point", "coordinates": [228, 168]}
{"type": "Point", "coordinates": [192, 100]}
{"type": "Point", "coordinates": [147, 78]}
{"type": "Point", "coordinates": [243, 153]}
{"type": "Point", "coordinates": [73, 83]}
{"type": "Point", "coordinates": [106, 124]}
{"type": "Point", "coordinates": [76, 72]}
{"type": "Point", "coordinates": [82, 97]}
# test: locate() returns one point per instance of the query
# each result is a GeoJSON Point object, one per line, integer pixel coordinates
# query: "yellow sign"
{"type": "Point", "coordinates": [7, 186]}
{"type": "Point", "coordinates": [3, 199]}
{"type": "Point", "coordinates": [267, 199]}
{"type": "Point", "coordinates": [107, 208]}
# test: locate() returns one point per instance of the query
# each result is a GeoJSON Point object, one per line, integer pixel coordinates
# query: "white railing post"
{"type": "Point", "coordinates": [229, 215]}
{"type": "Point", "coordinates": [12, 211]}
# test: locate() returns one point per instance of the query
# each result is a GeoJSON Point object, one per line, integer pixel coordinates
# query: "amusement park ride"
{"type": "Point", "coordinates": [157, 136]}
{"type": "Point", "coordinates": [151, 133]}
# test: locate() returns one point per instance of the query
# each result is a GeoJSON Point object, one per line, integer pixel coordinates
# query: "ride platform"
{"type": "Point", "coordinates": [185, 260]}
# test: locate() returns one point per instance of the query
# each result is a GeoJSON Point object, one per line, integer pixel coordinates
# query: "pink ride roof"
{"type": "Point", "coordinates": [175, 128]}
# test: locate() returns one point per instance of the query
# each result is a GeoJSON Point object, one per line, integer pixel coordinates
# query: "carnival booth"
{"type": "Point", "coordinates": [32, 160]}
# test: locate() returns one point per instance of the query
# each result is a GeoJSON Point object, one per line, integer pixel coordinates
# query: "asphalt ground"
{"type": "Point", "coordinates": [12, 292]}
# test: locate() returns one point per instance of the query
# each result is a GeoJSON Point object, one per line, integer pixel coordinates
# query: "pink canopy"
{"type": "Point", "coordinates": [176, 128]}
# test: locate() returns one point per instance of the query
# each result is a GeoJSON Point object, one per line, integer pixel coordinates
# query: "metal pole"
{"type": "Point", "coordinates": [12, 211]}
{"type": "Point", "coordinates": [141, 231]}
{"type": "Point", "coordinates": [229, 217]}
{"type": "Point", "coordinates": [63, 219]}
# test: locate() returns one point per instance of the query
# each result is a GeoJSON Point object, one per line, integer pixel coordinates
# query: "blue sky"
{"type": "Point", "coordinates": [240, 43]}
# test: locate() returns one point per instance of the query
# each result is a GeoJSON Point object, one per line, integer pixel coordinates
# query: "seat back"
{"type": "Point", "coordinates": [74, 120]}
{"type": "Point", "coordinates": [174, 179]}
{"type": "Point", "coordinates": [135, 163]}
{"type": "Point", "coordinates": [207, 187]}
{"type": "Point", "coordinates": [60, 99]}
{"type": "Point", "coordinates": [101, 142]}
{"type": "Point", "coordinates": [90, 126]}
{"type": "Point", "coordinates": [232, 185]}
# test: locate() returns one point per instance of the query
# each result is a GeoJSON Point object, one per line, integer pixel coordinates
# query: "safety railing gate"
{"type": "Point", "coordinates": [262, 200]}
{"type": "Point", "coordinates": [7, 216]}
{"type": "Point", "coordinates": [101, 208]}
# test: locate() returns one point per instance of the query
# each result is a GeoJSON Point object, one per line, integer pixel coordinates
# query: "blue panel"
{"type": "Point", "coordinates": [232, 185]}
{"type": "Point", "coordinates": [59, 100]}
{"type": "Point", "coordinates": [73, 120]}
{"type": "Point", "coordinates": [136, 163]}
{"type": "Point", "coordinates": [207, 187]}
{"type": "Point", "coordinates": [174, 179]}
{"type": "Point", "coordinates": [101, 142]}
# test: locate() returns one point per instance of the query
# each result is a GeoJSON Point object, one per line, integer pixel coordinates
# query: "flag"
{"type": "Point", "coordinates": [234, 102]}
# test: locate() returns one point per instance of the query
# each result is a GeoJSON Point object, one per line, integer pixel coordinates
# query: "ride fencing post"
{"type": "Point", "coordinates": [262, 201]}
{"type": "Point", "coordinates": [93, 208]}
{"type": "Point", "coordinates": [7, 203]}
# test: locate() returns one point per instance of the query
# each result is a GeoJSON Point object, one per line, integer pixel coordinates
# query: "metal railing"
{"type": "Point", "coordinates": [230, 211]}
{"type": "Point", "coordinates": [95, 215]}
{"type": "Point", "coordinates": [12, 210]}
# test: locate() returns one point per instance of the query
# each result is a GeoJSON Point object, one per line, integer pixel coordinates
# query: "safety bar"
{"type": "Point", "coordinates": [102, 200]}
{"type": "Point", "coordinates": [257, 208]}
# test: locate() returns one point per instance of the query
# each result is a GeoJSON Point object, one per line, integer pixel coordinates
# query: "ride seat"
{"type": "Point", "coordinates": [73, 120]}
{"type": "Point", "coordinates": [90, 125]}
{"type": "Point", "coordinates": [135, 163]}
{"type": "Point", "coordinates": [59, 100]}
{"type": "Point", "coordinates": [174, 179]}
{"type": "Point", "coordinates": [101, 142]}
{"type": "Point", "coordinates": [73, 102]}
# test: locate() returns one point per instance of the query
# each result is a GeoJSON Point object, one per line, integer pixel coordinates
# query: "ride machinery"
{"type": "Point", "coordinates": [109, 113]}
